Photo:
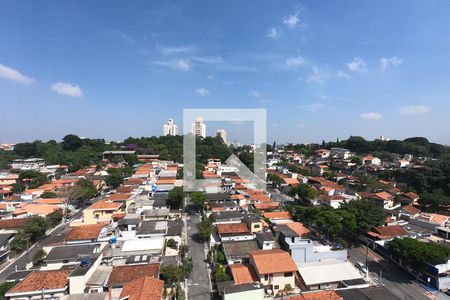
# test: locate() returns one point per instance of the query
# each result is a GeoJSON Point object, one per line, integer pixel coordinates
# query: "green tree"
{"type": "Point", "coordinates": [47, 195]}
{"type": "Point", "coordinates": [220, 273]}
{"type": "Point", "coordinates": [176, 196]}
{"type": "Point", "coordinates": [114, 180]}
{"type": "Point", "coordinates": [198, 198]}
{"type": "Point", "coordinates": [367, 214]}
{"type": "Point", "coordinates": [5, 287]}
{"type": "Point", "coordinates": [71, 142]}
{"type": "Point", "coordinates": [39, 257]}
{"type": "Point", "coordinates": [55, 218]}
{"type": "Point", "coordinates": [35, 228]}
{"type": "Point", "coordinates": [170, 274]}
{"type": "Point", "coordinates": [171, 243]}
{"type": "Point", "coordinates": [19, 243]}
{"type": "Point", "coordinates": [18, 187]}
{"type": "Point", "coordinates": [416, 254]}
{"type": "Point", "coordinates": [205, 228]}
{"type": "Point", "coordinates": [304, 191]}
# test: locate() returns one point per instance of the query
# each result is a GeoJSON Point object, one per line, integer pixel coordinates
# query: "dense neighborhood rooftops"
{"type": "Point", "coordinates": [272, 261]}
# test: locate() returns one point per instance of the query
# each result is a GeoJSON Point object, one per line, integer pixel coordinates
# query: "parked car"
{"type": "Point", "coordinates": [361, 266]}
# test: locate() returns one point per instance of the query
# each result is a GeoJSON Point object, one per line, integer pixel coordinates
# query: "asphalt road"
{"type": "Point", "coordinates": [198, 283]}
{"type": "Point", "coordinates": [394, 279]}
{"type": "Point", "coordinates": [55, 236]}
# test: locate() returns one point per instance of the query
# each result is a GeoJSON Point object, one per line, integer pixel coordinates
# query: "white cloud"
{"type": "Point", "coordinates": [318, 75]}
{"type": "Point", "coordinates": [177, 50]}
{"type": "Point", "coordinates": [14, 75]}
{"type": "Point", "coordinates": [312, 107]}
{"type": "Point", "coordinates": [414, 110]}
{"type": "Point", "coordinates": [202, 92]}
{"type": "Point", "coordinates": [301, 126]}
{"type": "Point", "coordinates": [255, 94]}
{"type": "Point", "coordinates": [67, 89]}
{"type": "Point", "coordinates": [322, 75]}
{"type": "Point", "coordinates": [291, 21]}
{"type": "Point", "coordinates": [208, 59]}
{"type": "Point", "coordinates": [180, 64]}
{"type": "Point", "coordinates": [388, 62]}
{"type": "Point", "coordinates": [357, 65]}
{"type": "Point", "coordinates": [342, 75]}
{"type": "Point", "coordinates": [273, 33]}
{"type": "Point", "coordinates": [210, 77]}
{"type": "Point", "coordinates": [294, 62]}
{"type": "Point", "coordinates": [371, 116]}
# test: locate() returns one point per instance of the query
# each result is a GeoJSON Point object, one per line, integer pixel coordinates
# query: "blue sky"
{"type": "Point", "coordinates": [323, 70]}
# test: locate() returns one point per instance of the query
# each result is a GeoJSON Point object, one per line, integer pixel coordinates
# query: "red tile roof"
{"type": "Point", "coordinates": [143, 288]}
{"type": "Point", "coordinates": [85, 232]}
{"type": "Point", "coordinates": [272, 261]}
{"type": "Point", "coordinates": [299, 228]}
{"type": "Point", "coordinates": [243, 273]}
{"type": "Point", "coordinates": [126, 273]}
{"type": "Point", "coordinates": [232, 228]}
{"type": "Point", "coordinates": [42, 280]}
{"type": "Point", "coordinates": [320, 295]}
{"type": "Point", "coordinates": [277, 215]}
{"type": "Point", "coordinates": [387, 232]}
{"type": "Point", "coordinates": [12, 223]}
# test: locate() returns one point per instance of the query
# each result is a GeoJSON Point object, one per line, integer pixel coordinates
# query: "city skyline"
{"type": "Point", "coordinates": [322, 71]}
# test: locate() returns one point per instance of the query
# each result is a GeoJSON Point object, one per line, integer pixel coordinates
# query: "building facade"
{"type": "Point", "coordinates": [170, 128]}
{"type": "Point", "coordinates": [199, 127]}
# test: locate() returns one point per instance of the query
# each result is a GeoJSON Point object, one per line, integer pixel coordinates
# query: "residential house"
{"type": "Point", "coordinates": [274, 268]}
{"type": "Point", "coordinates": [234, 232]}
{"type": "Point", "coordinates": [143, 288]}
{"type": "Point", "coordinates": [102, 211]}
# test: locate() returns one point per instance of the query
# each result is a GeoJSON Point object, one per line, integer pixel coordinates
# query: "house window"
{"type": "Point", "coordinates": [288, 274]}
{"type": "Point", "coordinates": [276, 287]}
{"type": "Point", "coordinates": [266, 277]}
{"type": "Point", "coordinates": [256, 226]}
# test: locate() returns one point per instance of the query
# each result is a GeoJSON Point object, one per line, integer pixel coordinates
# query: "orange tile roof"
{"type": "Point", "coordinates": [134, 181]}
{"type": "Point", "coordinates": [299, 228]}
{"type": "Point", "coordinates": [42, 280]}
{"type": "Point", "coordinates": [291, 181]}
{"type": "Point", "coordinates": [393, 231]}
{"type": "Point", "coordinates": [85, 232]}
{"type": "Point", "coordinates": [143, 288]}
{"type": "Point", "coordinates": [411, 209]}
{"type": "Point", "coordinates": [36, 209]}
{"type": "Point", "coordinates": [319, 295]}
{"type": "Point", "coordinates": [50, 200]}
{"type": "Point", "coordinates": [119, 197]}
{"type": "Point", "coordinates": [243, 273]}
{"type": "Point", "coordinates": [267, 205]}
{"type": "Point", "coordinates": [277, 215]}
{"type": "Point", "coordinates": [272, 261]}
{"type": "Point", "coordinates": [232, 228]}
{"type": "Point", "coordinates": [12, 223]}
{"type": "Point", "coordinates": [124, 189]}
{"type": "Point", "coordinates": [411, 195]}
{"type": "Point", "coordinates": [166, 180]}
{"type": "Point", "coordinates": [105, 205]}
{"type": "Point", "coordinates": [126, 273]}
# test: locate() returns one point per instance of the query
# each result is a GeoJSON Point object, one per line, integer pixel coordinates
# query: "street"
{"type": "Point", "coordinates": [394, 279]}
{"type": "Point", "coordinates": [199, 282]}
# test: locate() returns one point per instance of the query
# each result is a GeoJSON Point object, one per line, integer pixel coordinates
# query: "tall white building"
{"type": "Point", "coordinates": [170, 128]}
{"type": "Point", "coordinates": [199, 128]}
{"type": "Point", "coordinates": [223, 134]}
